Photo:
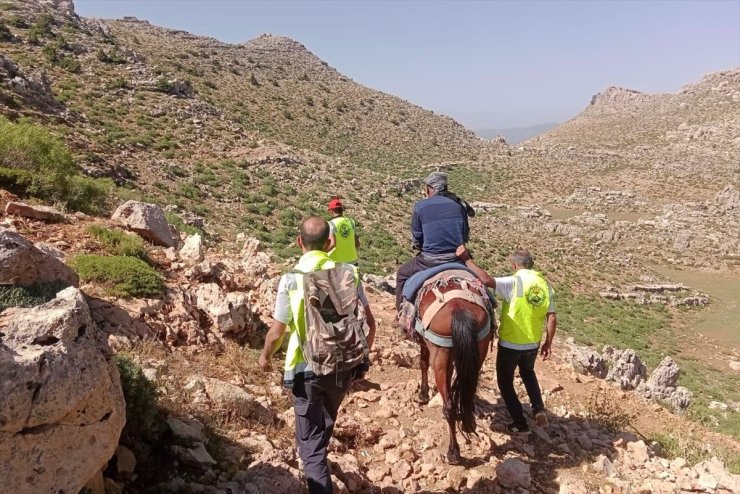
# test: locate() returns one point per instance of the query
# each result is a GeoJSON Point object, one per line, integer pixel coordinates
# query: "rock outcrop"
{"type": "Point", "coordinates": [61, 403]}
{"type": "Point", "coordinates": [625, 369]}
{"type": "Point", "coordinates": [44, 213]}
{"type": "Point", "coordinates": [22, 264]}
{"type": "Point", "coordinates": [147, 220]}
{"type": "Point", "coordinates": [663, 385]}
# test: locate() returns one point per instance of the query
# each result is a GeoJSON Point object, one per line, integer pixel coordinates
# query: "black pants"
{"type": "Point", "coordinates": [410, 268]}
{"type": "Point", "coordinates": [507, 360]}
{"type": "Point", "coordinates": [316, 403]}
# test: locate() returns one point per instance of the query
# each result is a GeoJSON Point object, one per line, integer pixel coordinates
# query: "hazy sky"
{"type": "Point", "coordinates": [490, 64]}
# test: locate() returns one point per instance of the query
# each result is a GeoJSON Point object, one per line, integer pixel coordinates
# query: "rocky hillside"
{"type": "Point", "coordinates": [212, 154]}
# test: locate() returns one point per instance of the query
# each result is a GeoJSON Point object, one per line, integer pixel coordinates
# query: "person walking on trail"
{"type": "Point", "coordinates": [439, 224]}
{"type": "Point", "coordinates": [343, 239]}
{"type": "Point", "coordinates": [528, 305]}
{"type": "Point", "coordinates": [328, 344]}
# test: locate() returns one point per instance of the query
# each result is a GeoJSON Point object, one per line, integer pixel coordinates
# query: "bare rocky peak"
{"type": "Point", "coordinates": [615, 96]}
{"type": "Point", "coordinates": [715, 81]}
{"type": "Point", "coordinates": [66, 7]}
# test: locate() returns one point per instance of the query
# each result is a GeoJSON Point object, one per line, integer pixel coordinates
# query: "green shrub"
{"type": "Point", "coordinates": [17, 296]}
{"type": "Point", "coordinates": [121, 276]}
{"type": "Point", "coordinates": [5, 34]}
{"type": "Point", "coordinates": [119, 243]}
{"type": "Point", "coordinates": [179, 223]}
{"type": "Point", "coordinates": [34, 163]}
{"type": "Point", "coordinates": [142, 413]}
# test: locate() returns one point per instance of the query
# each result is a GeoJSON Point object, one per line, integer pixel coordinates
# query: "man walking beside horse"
{"type": "Point", "coordinates": [528, 305]}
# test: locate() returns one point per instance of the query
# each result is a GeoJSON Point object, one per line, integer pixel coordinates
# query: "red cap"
{"type": "Point", "coordinates": [335, 204]}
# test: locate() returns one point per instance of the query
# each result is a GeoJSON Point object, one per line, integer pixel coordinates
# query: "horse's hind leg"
{"type": "Point", "coordinates": [423, 397]}
{"type": "Point", "coordinates": [442, 367]}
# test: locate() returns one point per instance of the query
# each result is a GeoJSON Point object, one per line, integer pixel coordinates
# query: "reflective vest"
{"type": "Point", "coordinates": [344, 233]}
{"type": "Point", "coordinates": [523, 317]}
{"type": "Point", "coordinates": [295, 364]}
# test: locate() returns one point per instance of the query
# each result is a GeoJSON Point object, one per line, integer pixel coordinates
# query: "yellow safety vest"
{"type": "Point", "coordinates": [523, 317]}
{"type": "Point", "coordinates": [295, 364]}
{"type": "Point", "coordinates": [344, 233]}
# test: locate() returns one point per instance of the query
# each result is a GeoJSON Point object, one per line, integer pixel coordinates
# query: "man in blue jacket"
{"type": "Point", "coordinates": [438, 225]}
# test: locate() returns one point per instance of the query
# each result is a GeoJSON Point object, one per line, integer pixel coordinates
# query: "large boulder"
{"type": "Point", "coordinates": [662, 385]}
{"type": "Point", "coordinates": [22, 264]}
{"type": "Point", "coordinates": [61, 403]}
{"type": "Point", "coordinates": [586, 361]}
{"type": "Point", "coordinates": [192, 250]}
{"type": "Point", "coordinates": [626, 368]}
{"type": "Point", "coordinates": [147, 220]}
{"type": "Point", "coordinates": [43, 213]}
{"type": "Point", "coordinates": [229, 312]}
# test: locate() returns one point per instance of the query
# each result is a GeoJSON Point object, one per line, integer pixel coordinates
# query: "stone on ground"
{"type": "Point", "coordinates": [147, 220]}
{"type": "Point", "coordinates": [44, 213]}
{"type": "Point", "coordinates": [22, 264]}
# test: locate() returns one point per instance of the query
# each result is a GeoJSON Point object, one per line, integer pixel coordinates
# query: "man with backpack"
{"type": "Point", "coordinates": [322, 307]}
{"type": "Point", "coordinates": [343, 239]}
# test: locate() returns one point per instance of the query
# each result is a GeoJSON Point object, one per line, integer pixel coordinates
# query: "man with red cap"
{"type": "Point", "coordinates": [343, 239]}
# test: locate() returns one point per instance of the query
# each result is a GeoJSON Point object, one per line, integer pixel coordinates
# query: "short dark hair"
{"type": "Point", "coordinates": [339, 210]}
{"type": "Point", "coordinates": [522, 257]}
{"type": "Point", "coordinates": [314, 233]}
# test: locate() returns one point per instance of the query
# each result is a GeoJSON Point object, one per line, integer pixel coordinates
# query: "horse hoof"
{"type": "Point", "coordinates": [422, 398]}
{"type": "Point", "coordinates": [454, 458]}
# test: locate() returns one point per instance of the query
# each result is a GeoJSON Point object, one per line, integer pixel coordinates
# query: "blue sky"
{"type": "Point", "coordinates": [489, 64]}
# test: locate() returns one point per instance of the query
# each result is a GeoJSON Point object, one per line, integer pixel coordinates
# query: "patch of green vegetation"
{"type": "Point", "coordinates": [34, 163]}
{"type": "Point", "coordinates": [678, 445]}
{"type": "Point", "coordinates": [142, 412]}
{"type": "Point", "coordinates": [119, 243]}
{"type": "Point", "coordinates": [121, 276]}
{"type": "Point", "coordinates": [111, 57]}
{"type": "Point", "coordinates": [179, 223]}
{"type": "Point", "coordinates": [595, 321]}
{"type": "Point", "coordinates": [18, 296]}
{"type": "Point", "coordinates": [5, 34]}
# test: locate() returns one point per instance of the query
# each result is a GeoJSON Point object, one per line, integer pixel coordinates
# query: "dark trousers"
{"type": "Point", "coordinates": [410, 268]}
{"type": "Point", "coordinates": [507, 360]}
{"type": "Point", "coordinates": [316, 403]}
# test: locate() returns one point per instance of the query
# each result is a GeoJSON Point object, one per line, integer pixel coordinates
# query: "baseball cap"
{"type": "Point", "coordinates": [335, 203]}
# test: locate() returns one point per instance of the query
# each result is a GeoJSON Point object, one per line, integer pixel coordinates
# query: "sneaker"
{"type": "Point", "coordinates": [541, 418]}
{"type": "Point", "coordinates": [515, 429]}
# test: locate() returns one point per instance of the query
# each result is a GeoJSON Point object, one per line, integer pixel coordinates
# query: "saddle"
{"type": "Point", "coordinates": [471, 289]}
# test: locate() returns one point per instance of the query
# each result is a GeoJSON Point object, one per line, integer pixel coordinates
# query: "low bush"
{"type": "Point", "coordinates": [179, 223]}
{"type": "Point", "coordinates": [142, 413]}
{"type": "Point", "coordinates": [18, 296]}
{"type": "Point", "coordinates": [121, 276]}
{"type": "Point", "coordinates": [119, 243]}
{"type": "Point", "coordinates": [35, 163]}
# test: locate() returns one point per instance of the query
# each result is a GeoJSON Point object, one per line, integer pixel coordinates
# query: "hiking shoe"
{"type": "Point", "coordinates": [516, 429]}
{"type": "Point", "coordinates": [541, 418]}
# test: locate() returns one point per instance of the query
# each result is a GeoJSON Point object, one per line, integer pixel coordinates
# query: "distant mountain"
{"type": "Point", "coordinates": [515, 135]}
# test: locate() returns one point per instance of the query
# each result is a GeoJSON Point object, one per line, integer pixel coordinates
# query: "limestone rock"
{"type": "Point", "coordinates": [626, 368]}
{"type": "Point", "coordinates": [229, 312]}
{"type": "Point", "coordinates": [23, 264]}
{"type": "Point", "coordinates": [44, 213]}
{"type": "Point", "coordinates": [662, 385]}
{"type": "Point", "coordinates": [512, 473]}
{"type": "Point", "coordinates": [147, 220]}
{"type": "Point", "coordinates": [61, 403]}
{"type": "Point", "coordinates": [586, 361]}
{"type": "Point", "coordinates": [230, 396]}
{"type": "Point", "coordinates": [187, 429]}
{"type": "Point", "coordinates": [196, 455]}
{"type": "Point", "coordinates": [192, 250]}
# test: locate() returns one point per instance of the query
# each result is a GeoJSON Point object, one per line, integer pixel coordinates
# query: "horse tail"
{"type": "Point", "coordinates": [466, 357]}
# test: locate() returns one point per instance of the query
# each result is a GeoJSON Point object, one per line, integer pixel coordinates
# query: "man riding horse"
{"type": "Point", "coordinates": [445, 308]}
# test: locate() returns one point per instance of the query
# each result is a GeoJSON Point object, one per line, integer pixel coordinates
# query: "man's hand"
{"type": "Point", "coordinates": [463, 253]}
{"type": "Point", "coordinates": [546, 350]}
{"type": "Point", "coordinates": [265, 363]}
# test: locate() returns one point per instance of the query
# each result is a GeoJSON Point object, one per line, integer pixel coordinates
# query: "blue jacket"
{"type": "Point", "coordinates": [439, 225]}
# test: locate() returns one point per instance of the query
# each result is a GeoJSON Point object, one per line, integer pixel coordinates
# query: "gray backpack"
{"type": "Point", "coordinates": [336, 325]}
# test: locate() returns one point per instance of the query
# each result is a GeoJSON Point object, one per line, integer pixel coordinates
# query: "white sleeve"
{"type": "Point", "coordinates": [282, 303]}
{"type": "Point", "coordinates": [551, 307]}
{"type": "Point", "coordinates": [505, 287]}
{"type": "Point", "coordinates": [332, 228]}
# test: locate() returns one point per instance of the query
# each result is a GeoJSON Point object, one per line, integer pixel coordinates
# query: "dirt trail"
{"type": "Point", "coordinates": [415, 437]}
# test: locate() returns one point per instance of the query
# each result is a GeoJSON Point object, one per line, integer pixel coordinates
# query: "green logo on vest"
{"type": "Point", "coordinates": [535, 295]}
{"type": "Point", "coordinates": [344, 230]}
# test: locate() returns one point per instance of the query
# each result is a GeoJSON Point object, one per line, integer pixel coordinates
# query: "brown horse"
{"type": "Point", "coordinates": [460, 323]}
